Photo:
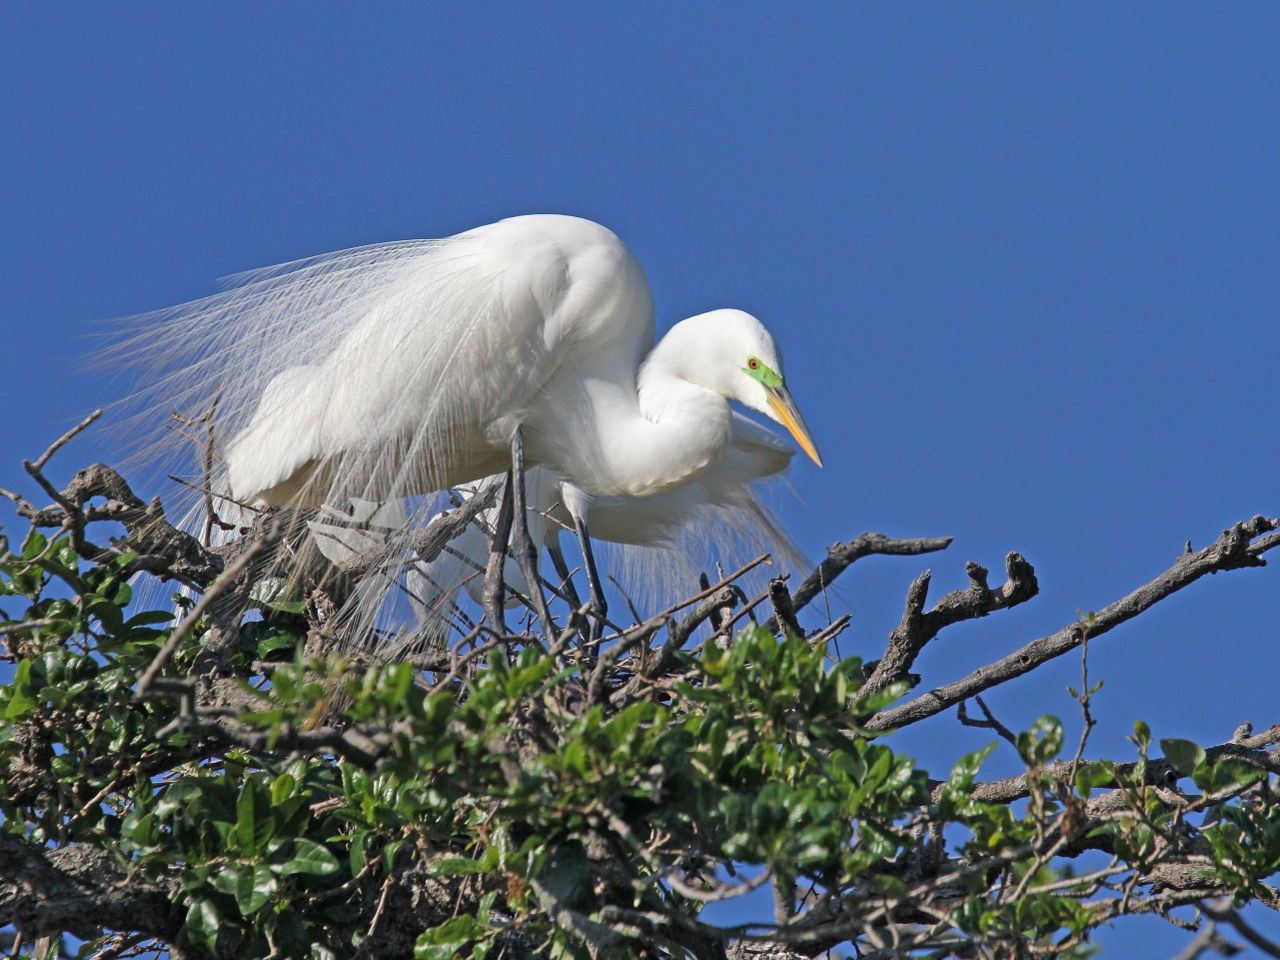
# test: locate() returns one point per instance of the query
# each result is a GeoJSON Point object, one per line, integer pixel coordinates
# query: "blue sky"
{"type": "Point", "coordinates": [1022, 259]}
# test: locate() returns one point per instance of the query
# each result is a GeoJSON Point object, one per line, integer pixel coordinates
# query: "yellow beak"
{"type": "Point", "coordinates": [785, 408]}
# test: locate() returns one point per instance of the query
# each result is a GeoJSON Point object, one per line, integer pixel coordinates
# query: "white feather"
{"type": "Point", "coordinates": [404, 368]}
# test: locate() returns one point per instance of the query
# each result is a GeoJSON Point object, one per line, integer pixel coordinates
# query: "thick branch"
{"type": "Point", "coordinates": [162, 549]}
{"type": "Point", "coordinates": [784, 613]}
{"type": "Point", "coordinates": [45, 892]}
{"type": "Point", "coordinates": [1259, 750]}
{"type": "Point", "coordinates": [352, 744]}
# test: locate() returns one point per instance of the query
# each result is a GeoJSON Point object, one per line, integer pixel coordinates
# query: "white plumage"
{"type": "Point", "coordinates": [404, 368]}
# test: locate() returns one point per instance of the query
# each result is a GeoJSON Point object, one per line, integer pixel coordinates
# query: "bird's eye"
{"type": "Point", "coordinates": [753, 363]}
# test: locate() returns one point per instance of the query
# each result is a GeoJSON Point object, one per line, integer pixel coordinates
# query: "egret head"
{"type": "Point", "coordinates": [738, 359]}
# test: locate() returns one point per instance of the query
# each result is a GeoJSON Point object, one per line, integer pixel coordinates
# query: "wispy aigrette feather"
{"type": "Point", "coordinates": [400, 369]}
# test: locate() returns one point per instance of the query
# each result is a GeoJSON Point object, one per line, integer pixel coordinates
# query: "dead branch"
{"type": "Point", "coordinates": [842, 555]}
{"type": "Point", "coordinates": [918, 627]}
{"type": "Point", "coordinates": [1235, 549]}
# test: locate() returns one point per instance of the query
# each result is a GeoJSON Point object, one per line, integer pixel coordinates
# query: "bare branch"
{"type": "Point", "coordinates": [354, 744]}
{"type": "Point", "coordinates": [784, 613]}
{"type": "Point", "coordinates": [918, 627]}
{"type": "Point", "coordinates": [842, 555]}
{"type": "Point", "coordinates": [1233, 550]}
{"type": "Point", "coordinates": [1258, 750]}
{"type": "Point", "coordinates": [989, 721]}
{"type": "Point", "coordinates": [1207, 940]}
{"type": "Point", "coordinates": [1222, 911]}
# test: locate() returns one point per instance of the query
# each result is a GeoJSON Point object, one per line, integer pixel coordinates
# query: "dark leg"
{"type": "Point", "coordinates": [566, 578]}
{"type": "Point", "coordinates": [598, 606]}
{"type": "Point", "coordinates": [522, 547]}
{"type": "Point", "coordinates": [493, 581]}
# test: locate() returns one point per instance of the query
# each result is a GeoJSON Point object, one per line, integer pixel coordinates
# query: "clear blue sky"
{"type": "Point", "coordinates": [1023, 259]}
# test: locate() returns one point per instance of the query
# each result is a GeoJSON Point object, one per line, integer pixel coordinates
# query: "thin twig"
{"type": "Point", "coordinates": [723, 581]}
{"type": "Point", "coordinates": [989, 723]}
{"type": "Point", "coordinates": [225, 579]}
{"type": "Point", "coordinates": [66, 438]}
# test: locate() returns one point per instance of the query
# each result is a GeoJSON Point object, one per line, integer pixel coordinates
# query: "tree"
{"type": "Point", "coordinates": [226, 785]}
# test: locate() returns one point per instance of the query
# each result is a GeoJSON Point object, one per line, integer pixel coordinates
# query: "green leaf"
{"type": "Point", "coordinates": [35, 546]}
{"type": "Point", "coordinates": [389, 853]}
{"type": "Point", "coordinates": [1090, 775]}
{"type": "Point", "coordinates": [455, 867]}
{"type": "Point", "coordinates": [225, 878]}
{"type": "Point", "coordinates": [566, 875]}
{"type": "Point", "coordinates": [310, 857]}
{"type": "Point", "coordinates": [22, 696]}
{"type": "Point", "coordinates": [966, 767]}
{"type": "Point", "coordinates": [254, 823]}
{"type": "Point", "coordinates": [254, 887]}
{"type": "Point", "coordinates": [282, 788]}
{"type": "Point", "coordinates": [1231, 774]}
{"type": "Point", "coordinates": [201, 926]}
{"type": "Point", "coordinates": [1041, 743]}
{"type": "Point", "coordinates": [717, 736]}
{"type": "Point", "coordinates": [277, 593]}
{"type": "Point", "coordinates": [449, 939]}
{"type": "Point", "coordinates": [1141, 735]}
{"type": "Point", "coordinates": [147, 618]}
{"type": "Point", "coordinates": [1183, 754]}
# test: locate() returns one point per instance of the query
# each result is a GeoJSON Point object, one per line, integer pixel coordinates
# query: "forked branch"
{"type": "Point", "coordinates": [918, 627]}
{"type": "Point", "coordinates": [1239, 546]}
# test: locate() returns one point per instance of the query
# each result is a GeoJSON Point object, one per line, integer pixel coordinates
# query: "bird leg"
{"type": "Point", "coordinates": [525, 552]}
{"type": "Point", "coordinates": [598, 606]}
{"type": "Point", "coordinates": [493, 580]}
{"type": "Point", "coordinates": [567, 589]}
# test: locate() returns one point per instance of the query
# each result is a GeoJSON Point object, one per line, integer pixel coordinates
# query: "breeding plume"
{"type": "Point", "coordinates": [403, 368]}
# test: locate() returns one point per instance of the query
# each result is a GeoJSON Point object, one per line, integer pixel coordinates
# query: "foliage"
{"type": "Point", "coordinates": [514, 801]}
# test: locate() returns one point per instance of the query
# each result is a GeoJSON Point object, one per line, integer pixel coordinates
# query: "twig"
{"type": "Point", "coordinates": [206, 418]}
{"type": "Point", "coordinates": [713, 588]}
{"type": "Point", "coordinates": [225, 579]}
{"type": "Point", "coordinates": [65, 439]}
{"type": "Point", "coordinates": [1084, 697]}
{"type": "Point", "coordinates": [461, 661]}
{"type": "Point", "coordinates": [989, 723]}
{"type": "Point", "coordinates": [726, 628]}
{"type": "Point", "coordinates": [609, 659]}
{"type": "Point", "coordinates": [831, 630]}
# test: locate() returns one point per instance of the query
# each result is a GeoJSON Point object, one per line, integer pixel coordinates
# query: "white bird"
{"type": "Point", "coordinates": [402, 368]}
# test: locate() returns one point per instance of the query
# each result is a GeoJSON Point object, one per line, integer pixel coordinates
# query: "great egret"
{"type": "Point", "coordinates": [402, 368]}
